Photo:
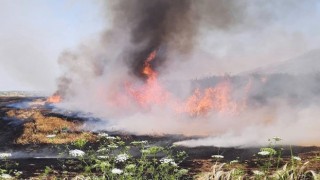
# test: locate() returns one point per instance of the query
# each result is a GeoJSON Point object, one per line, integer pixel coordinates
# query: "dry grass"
{"type": "Point", "coordinates": [20, 114]}
{"type": "Point", "coordinates": [219, 171]}
{"type": "Point", "coordinates": [38, 127]}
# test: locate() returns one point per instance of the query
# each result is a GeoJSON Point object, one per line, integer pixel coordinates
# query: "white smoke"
{"type": "Point", "coordinates": [96, 72]}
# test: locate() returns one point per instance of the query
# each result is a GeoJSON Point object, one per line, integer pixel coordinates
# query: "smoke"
{"type": "Point", "coordinates": [140, 27]}
{"type": "Point", "coordinates": [168, 26]}
{"type": "Point", "coordinates": [295, 126]}
{"type": "Point", "coordinates": [193, 39]}
{"type": "Point", "coordinates": [154, 25]}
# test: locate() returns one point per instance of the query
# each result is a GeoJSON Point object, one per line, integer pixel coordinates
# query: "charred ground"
{"type": "Point", "coordinates": [23, 131]}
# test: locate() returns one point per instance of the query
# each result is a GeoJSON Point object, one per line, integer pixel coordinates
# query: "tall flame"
{"type": "Point", "coordinates": [151, 92]}
{"type": "Point", "coordinates": [147, 69]}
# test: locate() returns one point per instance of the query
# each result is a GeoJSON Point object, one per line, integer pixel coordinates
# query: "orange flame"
{"type": "Point", "coordinates": [54, 99]}
{"type": "Point", "coordinates": [211, 99]}
{"type": "Point", "coordinates": [151, 92]}
{"type": "Point", "coordinates": [147, 69]}
{"type": "Point", "coordinates": [217, 99]}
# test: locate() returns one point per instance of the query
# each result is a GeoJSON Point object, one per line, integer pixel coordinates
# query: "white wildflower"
{"type": "Point", "coordinates": [5, 176]}
{"type": "Point", "coordinates": [122, 158]}
{"type": "Point", "coordinates": [111, 137]}
{"type": "Point", "coordinates": [102, 150]}
{"type": "Point", "coordinates": [234, 161]}
{"type": "Point", "coordinates": [76, 153]}
{"type": "Point", "coordinates": [217, 156]}
{"type": "Point", "coordinates": [264, 153]}
{"type": "Point", "coordinates": [18, 173]}
{"type": "Point", "coordinates": [139, 142]}
{"type": "Point", "coordinates": [5, 155]}
{"type": "Point", "coordinates": [174, 163]}
{"type": "Point", "coordinates": [102, 157]}
{"type": "Point", "coordinates": [103, 135]}
{"type": "Point", "coordinates": [166, 160]}
{"type": "Point", "coordinates": [112, 146]}
{"type": "Point", "coordinates": [258, 173]}
{"type": "Point", "coordinates": [51, 136]}
{"type": "Point", "coordinates": [116, 171]}
{"type": "Point", "coordinates": [296, 158]}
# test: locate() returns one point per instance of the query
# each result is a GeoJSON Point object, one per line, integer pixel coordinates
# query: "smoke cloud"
{"type": "Point", "coordinates": [195, 39]}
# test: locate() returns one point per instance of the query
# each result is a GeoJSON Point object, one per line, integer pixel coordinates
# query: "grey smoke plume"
{"type": "Point", "coordinates": [154, 25]}
{"type": "Point", "coordinates": [192, 38]}
{"type": "Point", "coordinates": [166, 25]}
{"type": "Point", "coordinates": [139, 27]}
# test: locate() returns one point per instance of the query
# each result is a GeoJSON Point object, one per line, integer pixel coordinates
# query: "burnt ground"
{"type": "Point", "coordinates": [22, 134]}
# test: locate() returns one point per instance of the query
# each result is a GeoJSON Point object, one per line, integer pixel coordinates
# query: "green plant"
{"type": "Point", "coordinates": [7, 166]}
{"type": "Point", "coordinates": [269, 156]}
{"type": "Point", "coordinates": [80, 143]}
{"type": "Point", "coordinates": [47, 170]}
{"type": "Point", "coordinates": [273, 154]}
{"type": "Point", "coordinates": [112, 160]}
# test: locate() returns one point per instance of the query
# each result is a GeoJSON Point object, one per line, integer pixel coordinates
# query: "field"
{"type": "Point", "coordinates": [39, 143]}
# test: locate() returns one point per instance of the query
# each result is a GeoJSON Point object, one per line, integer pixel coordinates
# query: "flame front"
{"type": "Point", "coordinates": [211, 99]}
{"type": "Point", "coordinates": [201, 102]}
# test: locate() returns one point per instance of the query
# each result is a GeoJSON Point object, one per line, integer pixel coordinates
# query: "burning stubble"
{"type": "Point", "coordinates": [119, 77]}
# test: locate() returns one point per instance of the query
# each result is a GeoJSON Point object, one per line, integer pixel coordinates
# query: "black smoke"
{"type": "Point", "coordinates": [163, 25]}
{"type": "Point", "coordinates": [155, 25]}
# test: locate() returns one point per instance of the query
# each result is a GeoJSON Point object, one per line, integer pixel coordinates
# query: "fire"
{"type": "Point", "coordinates": [147, 69]}
{"type": "Point", "coordinates": [151, 92]}
{"type": "Point", "coordinates": [54, 99]}
{"type": "Point", "coordinates": [201, 102]}
{"type": "Point", "coordinates": [211, 99]}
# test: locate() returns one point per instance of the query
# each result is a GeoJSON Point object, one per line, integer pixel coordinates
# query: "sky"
{"type": "Point", "coordinates": [34, 33]}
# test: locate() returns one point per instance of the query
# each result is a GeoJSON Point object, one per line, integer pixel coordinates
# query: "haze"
{"type": "Point", "coordinates": [34, 33]}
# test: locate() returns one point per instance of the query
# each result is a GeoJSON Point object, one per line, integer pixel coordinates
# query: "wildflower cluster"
{"type": "Point", "coordinates": [113, 160]}
{"type": "Point", "coordinates": [116, 171]}
{"type": "Point", "coordinates": [121, 158]}
{"type": "Point", "coordinates": [168, 161]}
{"type": "Point", "coordinates": [76, 153]}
